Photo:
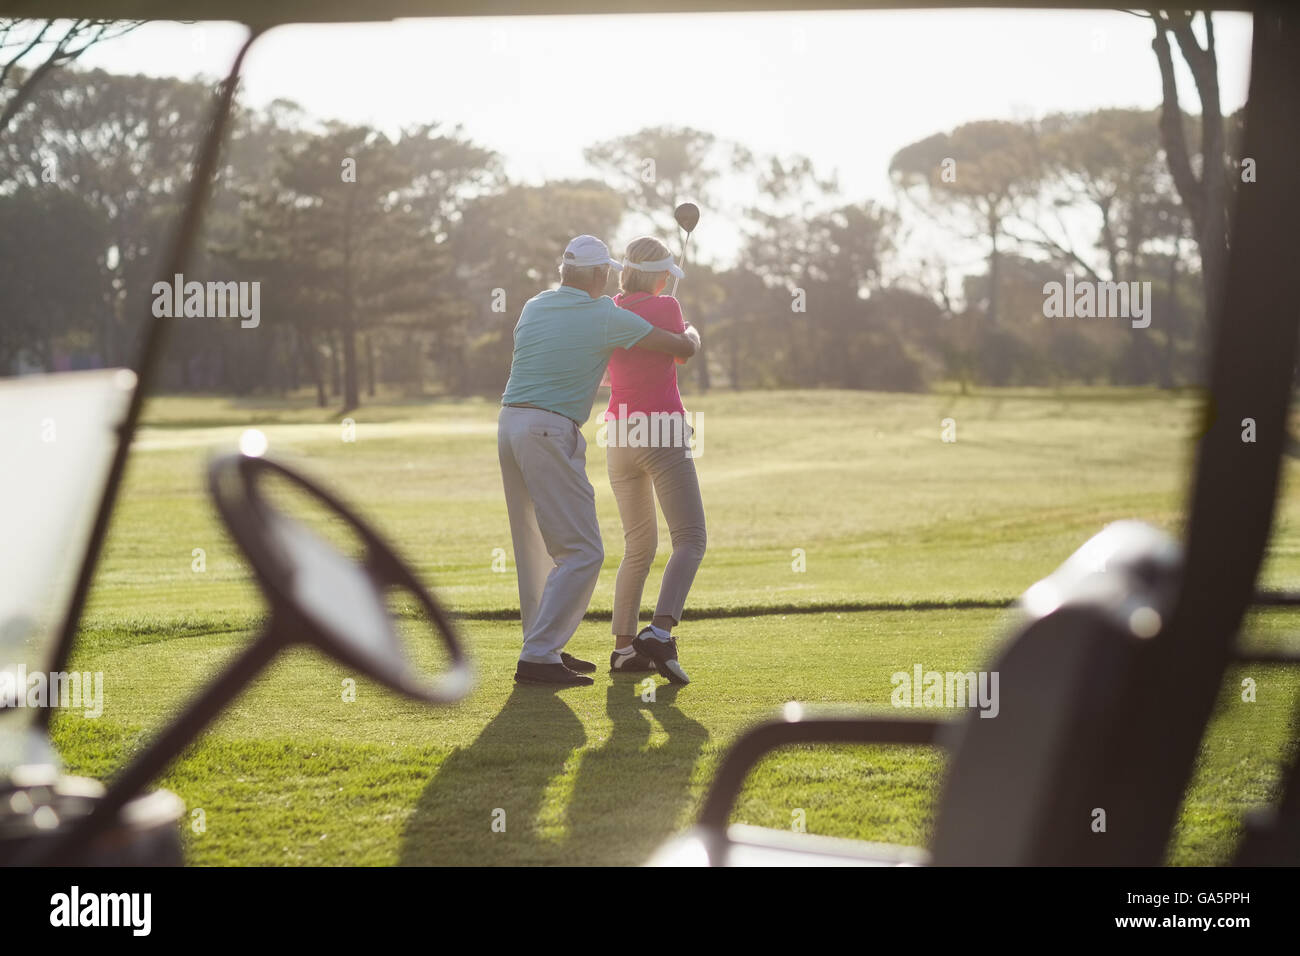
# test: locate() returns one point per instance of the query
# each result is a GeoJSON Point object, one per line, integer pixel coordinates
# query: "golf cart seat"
{"type": "Point", "coordinates": [1023, 782]}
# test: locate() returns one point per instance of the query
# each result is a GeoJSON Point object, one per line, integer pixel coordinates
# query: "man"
{"type": "Point", "coordinates": [563, 341]}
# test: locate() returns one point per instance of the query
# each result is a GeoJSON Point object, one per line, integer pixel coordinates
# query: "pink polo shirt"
{"type": "Point", "coordinates": [641, 380]}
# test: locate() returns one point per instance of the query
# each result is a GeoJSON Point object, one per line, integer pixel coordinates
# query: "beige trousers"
{"type": "Point", "coordinates": [553, 525]}
{"type": "Point", "coordinates": [637, 475]}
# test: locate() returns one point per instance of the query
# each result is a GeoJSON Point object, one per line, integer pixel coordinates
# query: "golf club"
{"type": "Point", "coordinates": [688, 216]}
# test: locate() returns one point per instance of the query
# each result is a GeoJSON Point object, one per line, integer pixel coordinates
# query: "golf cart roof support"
{"type": "Point", "coordinates": [1253, 349]}
{"type": "Point", "coordinates": [151, 352]}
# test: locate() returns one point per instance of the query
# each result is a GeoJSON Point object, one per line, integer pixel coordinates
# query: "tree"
{"type": "Point", "coordinates": [52, 246]}
{"type": "Point", "coordinates": [657, 168]}
{"type": "Point", "coordinates": [981, 171]}
{"type": "Point", "coordinates": [507, 248]}
{"type": "Point", "coordinates": [47, 45]}
{"type": "Point", "coordinates": [124, 145]}
{"type": "Point", "coordinates": [805, 241]}
{"type": "Point", "coordinates": [1105, 163]}
{"type": "Point", "coordinates": [353, 228]}
{"type": "Point", "coordinates": [1205, 196]}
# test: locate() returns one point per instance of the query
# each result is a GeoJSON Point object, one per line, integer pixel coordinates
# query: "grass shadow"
{"type": "Point", "coordinates": [619, 801]}
{"type": "Point", "coordinates": [508, 768]}
{"type": "Point", "coordinates": [629, 795]}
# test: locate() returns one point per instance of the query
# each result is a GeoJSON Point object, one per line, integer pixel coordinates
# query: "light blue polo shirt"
{"type": "Point", "coordinates": [563, 341]}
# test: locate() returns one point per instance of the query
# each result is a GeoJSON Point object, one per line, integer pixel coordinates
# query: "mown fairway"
{"type": "Point", "coordinates": [911, 547]}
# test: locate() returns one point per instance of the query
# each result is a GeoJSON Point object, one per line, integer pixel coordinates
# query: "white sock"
{"type": "Point", "coordinates": [625, 650]}
{"type": "Point", "coordinates": [660, 633]}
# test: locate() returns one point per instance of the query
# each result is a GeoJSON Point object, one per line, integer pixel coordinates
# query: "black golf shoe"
{"type": "Point", "coordinates": [549, 675]}
{"type": "Point", "coordinates": [634, 663]}
{"type": "Point", "coordinates": [663, 653]}
{"type": "Point", "coordinates": [576, 664]}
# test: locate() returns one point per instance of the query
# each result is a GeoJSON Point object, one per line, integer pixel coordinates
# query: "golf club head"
{"type": "Point", "coordinates": [687, 216]}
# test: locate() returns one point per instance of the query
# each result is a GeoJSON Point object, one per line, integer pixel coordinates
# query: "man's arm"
{"type": "Point", "coordinates": [680, 345]}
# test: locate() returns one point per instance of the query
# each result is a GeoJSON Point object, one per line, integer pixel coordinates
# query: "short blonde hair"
{"type": "Point", "coordinates": [644, 249]}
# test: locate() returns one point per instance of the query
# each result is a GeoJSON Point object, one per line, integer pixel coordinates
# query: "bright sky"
{"type": "Point", "coordinates": [847, 89]}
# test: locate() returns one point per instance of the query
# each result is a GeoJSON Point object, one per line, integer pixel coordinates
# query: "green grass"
{"type": "Point", "coordinates": [911, 546]}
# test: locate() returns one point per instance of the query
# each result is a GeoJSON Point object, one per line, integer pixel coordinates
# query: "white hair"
{"type": "Point", "coordinates": [584, 277]}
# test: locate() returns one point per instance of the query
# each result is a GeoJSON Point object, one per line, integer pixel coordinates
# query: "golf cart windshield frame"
{"type": "Point", "coordinates": [150, 357]}
{"type": "Point", "coordinates": [266, 13]}
{"type": "Point", "coordinates": [1252, 351]}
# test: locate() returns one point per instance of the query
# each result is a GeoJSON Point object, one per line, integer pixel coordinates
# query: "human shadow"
{"type": "Point", "coordinates": [483, 805]}
{"type": "Point", "coordinates": [630, 794]}
{"type": "Point", "coordinates": [625, 796]}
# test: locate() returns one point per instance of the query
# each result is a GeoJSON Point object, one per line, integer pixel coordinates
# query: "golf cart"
{"type": "Point", "coordinates": [1108, 682]}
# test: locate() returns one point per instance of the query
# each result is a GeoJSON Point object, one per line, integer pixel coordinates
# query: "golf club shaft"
{"type": "Point", "coordinates": [681, 264]}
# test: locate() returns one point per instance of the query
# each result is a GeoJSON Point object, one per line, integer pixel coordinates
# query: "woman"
{"type": "Point", "coordinates": [645, 462]}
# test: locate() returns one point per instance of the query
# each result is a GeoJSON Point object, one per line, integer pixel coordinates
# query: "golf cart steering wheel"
{"type": "Point", "coordinates": [322, 597]}
{"type": "Point", "coordinates": [319, 597]}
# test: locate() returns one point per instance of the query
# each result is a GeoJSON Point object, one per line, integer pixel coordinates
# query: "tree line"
{"type": "Point", "coordinates": [399, 261]}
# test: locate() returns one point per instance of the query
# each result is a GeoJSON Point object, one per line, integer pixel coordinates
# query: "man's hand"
{"type": "Point", "coordinates": [692, 333]}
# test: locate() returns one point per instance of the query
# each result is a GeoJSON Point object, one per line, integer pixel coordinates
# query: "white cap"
{"type": "Point", "coordinates": [659, 265]}
{"type": "Point", "coordinates": [588, 251]}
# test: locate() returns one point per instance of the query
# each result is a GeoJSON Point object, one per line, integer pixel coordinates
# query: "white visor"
{"type": "Point", "coordinates": [659, 265]}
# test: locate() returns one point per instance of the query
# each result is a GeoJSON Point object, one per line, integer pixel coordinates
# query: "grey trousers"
{"type": "Point", "coordinates": [553, 525]}
{"type": "Point", "coordinates": [637, 476]}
